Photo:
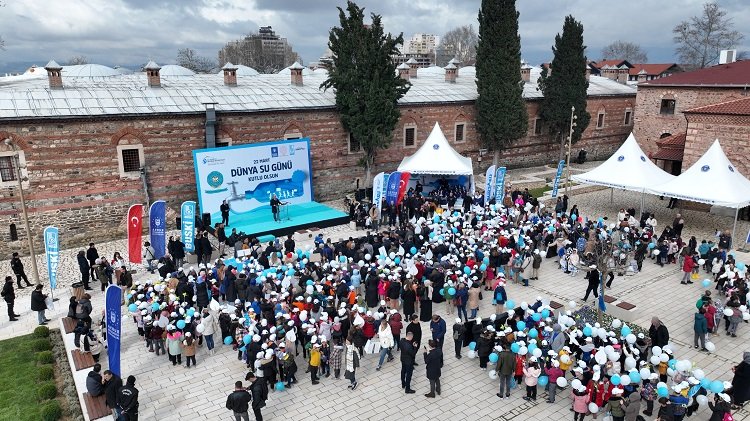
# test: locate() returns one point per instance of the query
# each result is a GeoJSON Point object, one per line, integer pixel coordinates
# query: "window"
{"type": "Point", "coordinates": [353, 144]}
{"type": "Point", "coordinates": [667, 106]}
{"type": "Point", "coordinates": [292, 135]}
{"type": "Point", "coordinates": [628, 119]}
{"type": "Point", "coordinates": [222, 144]}
{"type": "Point", "coordinates": [410, 136]}
{"type": "Point", "coordinates": [459, 133]}
{"type": "Point", "coordinates": [130, 160]}
{"type": "Point", "coordinates": [8, 170]}
{"type": "Point", "coordinates": [538, 127]}
{"type": "Point", "coordinates": [600, 120]}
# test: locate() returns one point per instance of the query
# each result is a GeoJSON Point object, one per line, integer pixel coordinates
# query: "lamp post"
{"type": "Point", "coordinates": [19, 179]}
{"type": "Point", "coordinates": [573, 119]}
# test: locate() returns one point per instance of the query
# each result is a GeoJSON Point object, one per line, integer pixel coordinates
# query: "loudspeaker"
{"type": "Point", "coordinates": [206, 220]}
{"type": "Point", "coordinates": [13, 232]}
{"type": "Point", "coordinates": [178, 223]}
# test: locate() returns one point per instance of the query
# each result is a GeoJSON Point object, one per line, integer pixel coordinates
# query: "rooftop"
{"type": "Point", "coordinates": [129, 94]}
{"type": "Point", "coordinates": [739, 106]}
{"type": "Point", "coordinates": [651, 68]}
{"type": "Point", "coordinates": [735, 74]}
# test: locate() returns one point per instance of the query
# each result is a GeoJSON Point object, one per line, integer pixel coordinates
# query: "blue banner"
{"type": "Point", "coordinates": [393, 185]}
{"type": "Point", "coordinates": [158, 227]}
{"type": "Point", "coordinates": [52, 251]}
{"type": "Point", "coordinates": [113, 306]}
{"type": "Point", "coordinates": [556, 184]}
{"type": "Point", "coordinates": [489, 185]}
{"type": "Point", "coordinates": [187, 218]}
{"type": "Point", "coordinates": [500, 184]}
{"type": "Point", "coordinates": [602, 305]}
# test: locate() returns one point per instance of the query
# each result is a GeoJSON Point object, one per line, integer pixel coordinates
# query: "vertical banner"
{"type": "Point", "coordinates": [52, 251]}
{"type": "Point", "coordinates": [500, 184]}
{"type": "Point", "coordinates": [187, 219]}
{"type": "Point", "coordinates": [157, 227]}
{"type": "Point", "coordinates": [602, 305]}
{"type": "Point", "coordinates": [394, 183]}
{"type": "Point", "coordinates": [403, 184]}
{"type": "Point", "coordinates": [556, 184]}
{"type": "Point", "coordinates": [489, 185]}
{"type": "Point", "coordinates": [135, 228]}
{"type": "Point", "coordinates": [113, 306]}
{"type": "Point", "coordinates": [378, 190]}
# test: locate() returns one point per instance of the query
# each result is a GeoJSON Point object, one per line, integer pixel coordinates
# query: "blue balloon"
{"type": "Point", "coordinates": [615, 379]}
{"type": "Point", "coordinates": [587, 331]}
{"type": "Point", "coordinates": [290, 272]}
{"type": "Point", "coordinates": [705, 382]}
{"type": "Point", "coordinates": [515, 347]}
{"type": "Point", "coordinates": [467, 270]}
{"type": "Point", "coordinates": [533, 333]}
{"type": "Point", "coordinates": [483, 267]}
{"type": "Point", "coordinates": [228, 340]}
{"type": "Point", "coordinates": [342, 259]}
{"type": "Point", "coordinates": [651, 246]}
{"type": "Point", "coordinates": [531, 348]}
{"type": "Point", "coordinates": [451, 291]}
{"type": "Point", "coordinates": [545, 313]}
{"type": "Point", "coordinates": [510, 304]}
{"type": "Point", "coordinates": [436, 219]}
{"type": "Point", "coordinates": [129, 296]}
{"type": "Point", "coordinates": [247, 339]}
{"type": "Point", "coordinates": [190, 312]}
{"type": "Point", "coordinates": [432, 234]}
{"type": "Point", "coordinates": [662, 392]}
{"type": "Point", "coordinates": [413, 250]}
{"type": "Point", "coordinates": [493, 358]}
{"type": "Point", "coordinates": [454, 230]}
{"type": "Point", "coordinates": [543, 380]}
{"type": "Point", "coordinates": [243, 348]}
{"type": "Point", "coordinates": [472, 345]}
{"type": "Point", "coordinates": [280, 386]}
{"type": "Point", "coordinates": [741, 266]}
{"type": "Point", "coordinates": [180, 324]}
{"type": "Point", "coordinates": [717, 386]}
{"type": "Point", "coordinates": [309, 282]}
{"type": "Point", "coordinates": [442, 291]}
{"type": "Point", "coordinates": [672, 363]}
{"type": "Point", "coordinates": [155, 307]}
{"type": "Point", "coordinates": [133, 308]}
{"type": "Point", "coordinates": [635, 377]}
{"type": "Point", "coordinates": [536, 317]}
{"type": "Point", "coordinates": [625, 331]}
{"type": "Point", "coordinates": [706, 283]}
{"type": "Point", "coordinates": [520, 325]}
{"type": "Point", "coordinates": [397, 260]}
{"type": "Point", "coordinates": [486, 260]}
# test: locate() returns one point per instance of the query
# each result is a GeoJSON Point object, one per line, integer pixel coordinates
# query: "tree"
{"type": "Point", "coordinates": [461, 43]}
{"type": "Point", "coordinates": [264, 51]}
{"type": "Point", "coordinates": [624, 50]}
{"type": "Point", "coordinates": [565, 86]}
{"type": "Point", "coordinates": [501, 109]}
{"type": "Point", "coordinates": [364, 77]}
{"type": "Point", "coordinates": [700, 39]}
{"type": "Point", "coordinates": [189, 59]}
{"type": "Point", "coordinates": [77, 60]}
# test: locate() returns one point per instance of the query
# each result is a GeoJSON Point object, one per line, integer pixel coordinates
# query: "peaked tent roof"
{"type": "Point", "coordinates": [712, 179]}
{"type": "Point", "coordinates": [628, 168]}
{"type": "Point", "coordinates": [437, 156]}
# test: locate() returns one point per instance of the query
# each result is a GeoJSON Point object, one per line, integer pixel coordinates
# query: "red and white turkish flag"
{"type": "Point", "coordinates": [135, 229]}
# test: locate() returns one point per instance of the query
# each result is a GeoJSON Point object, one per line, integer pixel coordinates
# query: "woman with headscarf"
{"type": "Point", "coordinates": [658, 333]}
{"type": "Point", "coordinates": [741, 381]}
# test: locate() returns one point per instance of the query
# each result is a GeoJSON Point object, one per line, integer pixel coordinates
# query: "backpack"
{"type": "Point", "coordinates": [80, 311]}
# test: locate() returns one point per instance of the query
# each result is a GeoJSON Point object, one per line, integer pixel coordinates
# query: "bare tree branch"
{"type": "Point", "coordinates": [189, 59]}
{"type": "Point", "coordinates": [624, 50]}
{"type": "Point", "coordinates": [461, 43]}
{"type": "Point", "coordinates": [700, 39]}
{"type": "Point", "coordinates": [75, 60]}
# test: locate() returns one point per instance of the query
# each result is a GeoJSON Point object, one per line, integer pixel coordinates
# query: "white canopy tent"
{"type": "Point", "coordinates": [712, 180]}
{"type": "Point", "coordinates": [628, 169]}
{"type": "Point", "coordinates": [437, 156]}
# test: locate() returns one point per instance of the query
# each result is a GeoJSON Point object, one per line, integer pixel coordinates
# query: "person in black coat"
{"type": "Point", "coordinates": [112, 384]}
{"type": "Point", "coordinates": [259, 392]}
{"type": "Point", "coordinates": [127, 400]}
{"type": "Point", "coordinates": [202, 295]}
{"type": "Point", "coordinates": [741, 380]}
{"type": "Point", "coordinates": [593, 277]}
{"type": "Point", "coordinates": [371, 290]}
{"type": "Point", "coordinates": [408, 354]}
{"type": "Point", "coordinates": [17, 266]}
{"type": "Point", "coordinates": [38, 304]}
{"type": "Point", "coordinates": [408, 298]}
{"type": "Point", "coordinates": [433, 359]}
{"type": "Point", "coordinates": [658, 333]}
{"type": "Point", "coordinates": [83, 265]}
{"type": "Point", "coordinates": [415, 329]}
{"type": "Point", "coordinates": [239, 401]}
{"type": "Point", "coordinates": [91, 255]}
{"type": "Point", "coordinates": [9, 295]}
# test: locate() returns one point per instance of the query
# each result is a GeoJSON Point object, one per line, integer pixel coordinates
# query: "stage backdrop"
{"type": "Point", "coordinates": [246, 176]}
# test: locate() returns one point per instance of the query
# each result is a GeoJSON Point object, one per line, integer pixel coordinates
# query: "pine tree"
{"type": "Point", "coordinates": [365, 80]}
{"type": "Point", "coordinates": [565, 86]}
{"type": "Point", "coordinates": [501, 109]}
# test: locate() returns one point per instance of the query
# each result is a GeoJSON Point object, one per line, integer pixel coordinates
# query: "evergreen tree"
{"type": "Point", "coordinates": [565, 86]}
{"type": "Point", "coordinates": [365, 79]}
{"type": "Point", "coordinates": [501, 109]}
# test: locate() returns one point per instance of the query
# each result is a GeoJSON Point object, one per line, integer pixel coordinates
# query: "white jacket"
{"type": "Point", "coordinates": [386, 337]}
{"type": "Point", "coordinates": [208, 325]}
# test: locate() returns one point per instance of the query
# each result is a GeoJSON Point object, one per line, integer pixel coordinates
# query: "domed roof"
{"type": "Point", "coordinates": [173, 70]}
{"type": "Point", "coordinates": [89, 70]}
{"type": "Point", "coordinates": [242, 70]}
{"type": "Point", "coordinates": [305, 71]}
{"type": "Point", "coordinates": [320, 71]}
{"type": "Point", "coordinates": [123, 70]}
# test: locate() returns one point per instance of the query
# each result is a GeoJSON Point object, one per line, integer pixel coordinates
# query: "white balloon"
{"type": "Point", "coordinates": [630, 339]}
{"type": "Point", "coordinates": [656, 350]}
{"type": "Point", "coordinates": [524, 305]}
{"type": "Point", "coordinates": [562, 382]}
{"type": "Point", "coordinates": [593, 408]}
{"type": "Point", "coordinates": [702, 400]}
{"type": "Point", "coordinates": [699, 374]}
{"type": "Point", "coordinates": [684, 365]}
{"type": "Point", "coordinates": [565, 359]}
{"type": "Point", "coordinates": [664, 358]}
{"type": "Point", "coordinates": [200, 328]}
{"type": "Point", "coordinates": [671, 372]}
{"type": "Point", "coordinates": [625, 380]}
{"type": "Point", "coordinates": [472, 354]}
{"type": "Point", "coordinates": [629, 363]}
{"type": "Point", "coordinates": [728, 312]}
{"type": "Point", "coordinates": [710, 347]}
{"type": "Point", "coordinates": [616, 323]}
{"type": "Point", "coordinates": [492, 374]}
{"type": "Point", "coordinates": [701, 262]}
{"type": "Point", "coordinates": [309, 289]}
{"type": "Point", "coordinates": [575, 384]}
{"type": "Point", "coordinates": [656, 252]}
{"type": "Point", "coordinates": [523, 350]}
{"type": "Point", "coordinates": [572, 304]}
{"type": "Point", "coordinates": [537, 352]}
{"type": "Point", "coordinates": [655, 360]}
{"type": "Point", "coordinates": [745, 316]}
{"type": "Point", "coordinates": [645, 373]}
{"type": "Point", "coordinates": [661, 384]}
{"type": "Point", "coordinates": [601, 357]}
{"type": "Point", "coordinates": [609, 349]}
{"type": "Point", "coordinates": [615, 356]}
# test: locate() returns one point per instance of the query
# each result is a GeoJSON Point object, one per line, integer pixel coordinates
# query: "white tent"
{"type": "Point", "coordinates": [438, 157]}
{"type": "Point", "coordinates": [628, 169]}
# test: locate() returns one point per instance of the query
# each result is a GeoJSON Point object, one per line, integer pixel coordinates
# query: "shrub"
{"type": "Point", "coordinates": [51, 411]}
{"type": "Point", "coordinates": [46, 390]}
{"type": "Point", "coordinates": [44, 357]}
{"type": "Point", "coordinates": [42, 344]}
{"type": "Point", "coordinates": [46, 372]}
{"type": "Point", "coordinates": [41, 332]}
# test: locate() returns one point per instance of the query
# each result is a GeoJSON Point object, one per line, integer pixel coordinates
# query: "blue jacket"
{"type": "Point", "coordinates": [463, 295]}
{"type": "Point", "coordinates": [438, 329]}
{"type": "Point", "coordinates": [701, 324]}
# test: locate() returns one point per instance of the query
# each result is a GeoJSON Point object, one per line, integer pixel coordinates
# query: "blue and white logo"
{"type": "Point", "coordinates": [643, 158]}
{"type": "Point", "coordinates": [731, 168]}
{"type": "Point", "coordinates": [215, 179]}
{"type": "Point", "coordinates": [705, 168]}
{"type": "Point", "coordinates": [274, 152]}
{"type": "Point", "coordinates": [620, 158]}
{"type": "Point", "coordinates": [436, 146]}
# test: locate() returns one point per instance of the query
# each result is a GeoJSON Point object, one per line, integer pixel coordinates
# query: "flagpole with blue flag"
{"type": "Point", "coordinates": [602, 305]}
{"type": "Point", "coordinates": [52, 253]}
{"type": "Point", "coordinates": [113, 314]}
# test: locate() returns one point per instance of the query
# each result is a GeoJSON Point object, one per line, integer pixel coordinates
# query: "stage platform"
{"type": "Point", "coordinates": [259, 221]}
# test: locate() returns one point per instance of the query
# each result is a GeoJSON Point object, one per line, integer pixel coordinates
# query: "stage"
{"type": "Point", "coordinates": [259, 221]}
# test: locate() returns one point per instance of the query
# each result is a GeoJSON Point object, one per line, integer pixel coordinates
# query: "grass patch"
{"type": "Point", "coordinates": [539, 191]}
{"type": "Point", "coordinates": [20, 373]}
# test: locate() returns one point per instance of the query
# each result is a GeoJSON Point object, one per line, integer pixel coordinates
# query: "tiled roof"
{"type": "Point", "coordinates": [616, 63]}
{"type": "Point", "coordinates": [739, 106]}
{"type": "Point", "coordinates": [130, 94]}
{"type": "Point", "coordinates": [731, 74]}
{"type": "Point", "coordinates": [669, 154]}
{"type": "Point", "coordinates": [677, 140]}
{"type": "Point", "coordinates": [650, 68]}
{"type": "Point", "coordinates": [671, 148]}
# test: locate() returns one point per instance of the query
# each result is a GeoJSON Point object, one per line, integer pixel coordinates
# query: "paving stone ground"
{"type": "Point", "coordinates": [199, 393]}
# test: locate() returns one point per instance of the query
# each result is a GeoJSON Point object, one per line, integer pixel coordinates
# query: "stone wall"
{"type": "Point", "coordinates": [75, 183]}
{"type": "Point", "coordinates": [733, 132]}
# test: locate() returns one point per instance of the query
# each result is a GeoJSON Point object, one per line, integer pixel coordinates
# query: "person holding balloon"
{"type": "Point", "coordinates": [188, 348]}
{"type": "Point", "coordinates": [174, 350]}
{"type": "Point", "coordinates": [581, 399]}
{"type": "Point", "coordinates": [531, 372]}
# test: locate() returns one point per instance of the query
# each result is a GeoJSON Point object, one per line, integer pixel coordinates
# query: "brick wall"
{"type": "Point", "coordinates": [75, 183]}
{"type": "Point", "coordinates": [733, 133]}
{"type": "Point", "coordinates": [650, 125]}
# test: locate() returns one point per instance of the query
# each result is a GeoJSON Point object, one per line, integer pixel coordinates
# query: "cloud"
{"type": "Point", "coordinates": [134, 31]}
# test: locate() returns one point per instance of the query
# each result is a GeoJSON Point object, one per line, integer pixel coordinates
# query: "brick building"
{"type": "Point", "coordinates": [84, 139]}
{"type": "Point", "coordinates": [661, 126]}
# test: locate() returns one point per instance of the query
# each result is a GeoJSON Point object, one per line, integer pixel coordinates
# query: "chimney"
{"type": "Point", "coordinates": [152, 73]}
{"type": "Point", "coordinates": [54, 74]}
{"type": "Point", "coordinates": [456, 62]}
{"type": "Point", "coordinates": [642, 75]}
{"type": "Point", "coordinates": [525, 73]}
{"type": "Point", "coordinates": [413, 66]}
{"type": "Point", "coordinates": [403, 71]}
{"type": "Point", "coordinates": [622, 74]}
{"type": "Point", "coordinates": [450, 73]}
{"type": "Point", "coordinates": [296, 71]}
{"type": "Point", "coordinates": [230, 74]}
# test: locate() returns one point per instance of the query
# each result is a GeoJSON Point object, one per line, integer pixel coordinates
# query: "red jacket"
{"type": "Point", "coordinates": [519, 365]}
{"type": "Point", "coordinates": [396, 324]}
{"type": "Point", "coordinates": [688, 264]}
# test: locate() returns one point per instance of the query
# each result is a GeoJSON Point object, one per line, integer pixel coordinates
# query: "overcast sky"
{"type": "Point", "coordinates": [129, 32]}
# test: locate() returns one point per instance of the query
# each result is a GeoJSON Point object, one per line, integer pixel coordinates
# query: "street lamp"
{"type": "Point", "coordinates": [20, 179]}
{"type": "Point", "coordinates": [573, 119]}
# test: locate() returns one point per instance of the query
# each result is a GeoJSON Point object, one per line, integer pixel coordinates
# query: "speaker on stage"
{"type": "Point", "coordinates": [206, 217]}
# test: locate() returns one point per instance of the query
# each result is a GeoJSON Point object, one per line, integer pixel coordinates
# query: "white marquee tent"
{"type": "Point", "coordinates": [438, 157]}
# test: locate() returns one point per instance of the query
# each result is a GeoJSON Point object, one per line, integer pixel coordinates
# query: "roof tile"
{"type": "Point", "coordinates": [730, 74]}
{"type": "Point", "coordinates": [739, 106]}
